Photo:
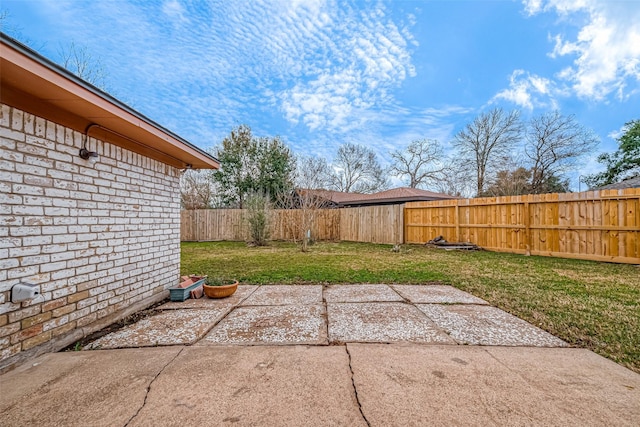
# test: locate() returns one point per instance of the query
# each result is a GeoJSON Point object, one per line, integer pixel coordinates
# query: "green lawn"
{"type": "Point", "coordinates": [588, 304]}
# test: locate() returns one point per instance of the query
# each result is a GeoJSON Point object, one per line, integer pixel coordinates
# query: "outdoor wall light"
{"type": "Point", "coordinates": [92, 156]}
{"type": "Point", "coordinates": [87, 155]}
{"type": "Point", "coordinates": [84, 153]}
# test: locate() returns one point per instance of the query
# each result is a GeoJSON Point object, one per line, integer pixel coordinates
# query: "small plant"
{"type": "Point", "coordinates": [219, 282]}
{"type": "Point", "coordinates": [219, 287]}
{"type": "Point", "coordinates": [259, 218]}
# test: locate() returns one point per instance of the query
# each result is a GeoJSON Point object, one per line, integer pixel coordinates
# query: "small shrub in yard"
{"type": "Point", "coordinates": [259, 218]}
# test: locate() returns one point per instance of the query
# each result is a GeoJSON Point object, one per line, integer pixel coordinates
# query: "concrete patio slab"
{"type": "Point", "coordinates": [406, 383]}
{"type": "Point", "coordinates": [382, 322]}
{"type": "Point", "coordinates": [167, 328]}
{"type": "Point", "coordinates": [241, 293]}
{"type": "Point", "coordinates": [485, 325]}
{"type": "Point", "coordinates": [264, 385]}
{"type": "Point", "coordinates": [505, 386]}
{"type": "Point", "coordinates": [284, 324]}
{"type": "Point", "coordinates": [286, 295]}
{"type": "Point", "coordinates": [360, 293]}
{"type": "Point", "coordinates": [436, 294]}
{"type": "Point", "coordinates": [84, 388]}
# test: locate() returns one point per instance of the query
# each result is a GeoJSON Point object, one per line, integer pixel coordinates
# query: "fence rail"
{"type": "Point", "coordinates": [595, 225]}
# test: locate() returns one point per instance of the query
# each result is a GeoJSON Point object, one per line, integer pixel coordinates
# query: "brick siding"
{"type": "Point", "coordinates": [97, 237]}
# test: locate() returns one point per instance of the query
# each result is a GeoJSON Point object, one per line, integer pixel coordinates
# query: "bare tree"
{"type": "Point", "coordinates": [485, 141]}
{"type": "Point", "coordinates": [357, 170]}
{"type": "Point", "coordinates": [196, 191]}
{"type": "Point", "coordinates": [421, 162]}
{"type": "Point", "coordinates": [15, 31]}
{"type": "Point", "coordinates": [4, 21]}
{"type": "Point", "coordinates": [553, 143]}
{"type": "Point", "coordinates": [312, 173]}
{"type": "Point", "coordinates": [80, 62]}
{"type": "Point", "coordinates": [456, 180]}
{"type": "Point", "coordinates": [510, 182]}
{"type": "Point", "coordinates": [312, 177]}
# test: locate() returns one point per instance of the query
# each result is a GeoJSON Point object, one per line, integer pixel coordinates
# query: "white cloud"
{"type": "Point", "coordinates": [370, 56]}
{"type": "Point", "coordinates": [174, 10]}
{"type": "Point", "coordinates": [532, 6]}
{"type": "Point", "coordinates": [403, 125]}
{"type": "Point", "coordinates": [326, 102]}
{"type": "Point", "coordinates": [326, 66]}
{"type": "Point", "coordinates": [606, 49]}
{"type": "Point", "coordinates": [530, 91]}
{"type": "Point", "coordinates": [615, 134]}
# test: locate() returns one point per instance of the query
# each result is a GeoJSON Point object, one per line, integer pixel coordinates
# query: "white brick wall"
{"type": "Point", "coordinates": [95, 237]}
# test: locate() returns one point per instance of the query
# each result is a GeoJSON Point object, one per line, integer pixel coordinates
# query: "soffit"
{"type": "Point", "coordinates": [35, 85]}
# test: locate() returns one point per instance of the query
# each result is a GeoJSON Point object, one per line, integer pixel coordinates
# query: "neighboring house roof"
{"type": "Point", "coordinates": [388, 197]}
{"type": "Point", "coordinates": [32, 83]}
{"type": "Point", "coordinates": [627, 183]}
{"type": "Point", "coordinates": [406, 194]}
{"type": "Point", "coordinates": [337, 197]}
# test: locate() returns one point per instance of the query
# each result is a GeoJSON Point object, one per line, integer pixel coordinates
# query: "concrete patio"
{"type": "Point", "coordinates": [338, 355]}
{"type": "Point", "coordinates": [371, 313]}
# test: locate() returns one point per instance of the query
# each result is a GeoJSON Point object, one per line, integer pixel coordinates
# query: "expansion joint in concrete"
{"type": "Point", "coordinates": [355, 389]}
{"type": "Point", "coordinates": [146, 395]}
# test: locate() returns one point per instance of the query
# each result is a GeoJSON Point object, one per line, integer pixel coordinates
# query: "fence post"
{"type": "Point", "coordinates": [457, 220]}
{"type": "Point", "coordinates": [399, 232]}
{"type": "Point", "coordinates": [404, 223]}
{"type": "Point", "coordinates": [527, 228]}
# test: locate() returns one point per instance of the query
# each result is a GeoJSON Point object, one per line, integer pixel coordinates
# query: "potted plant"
{"type": "Point", "coordinates": [220, 288]}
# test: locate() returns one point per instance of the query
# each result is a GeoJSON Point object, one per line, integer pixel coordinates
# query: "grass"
{"type": "Point", "coordinates": [588, 304]}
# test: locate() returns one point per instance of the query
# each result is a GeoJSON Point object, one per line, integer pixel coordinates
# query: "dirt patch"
{"type": "Point", "coordinates": [132, 318]}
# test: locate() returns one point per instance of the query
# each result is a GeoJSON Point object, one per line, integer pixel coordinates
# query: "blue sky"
{"type": "Point", "coordinates": [378, 73]}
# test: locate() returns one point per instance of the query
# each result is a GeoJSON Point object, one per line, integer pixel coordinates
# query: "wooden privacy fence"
{"type": "Point", "coordinates": [374, 224]}
{"type": "Point", "coordinates": [596, 225]}
{"type": "Point", "coordinates": [286, 225]}
{"type": "Point", "coordinates": [231, 224]}
{"type": "Point", "coordinates": [212, 224]}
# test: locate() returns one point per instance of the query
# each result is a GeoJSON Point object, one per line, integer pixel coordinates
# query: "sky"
{"type": "Point", "coordinates": [320, 73]}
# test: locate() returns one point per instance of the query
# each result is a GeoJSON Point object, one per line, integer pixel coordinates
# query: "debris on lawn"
{"type": "Point", "coordinates": [190, 287]}
{"type": "Point", "coordinates": [441, 243]}
{"type": "Point", "coordinates": [196, 293]}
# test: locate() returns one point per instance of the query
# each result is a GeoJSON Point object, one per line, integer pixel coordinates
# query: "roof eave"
{"type": "Point", "coordinates": [35, 84]}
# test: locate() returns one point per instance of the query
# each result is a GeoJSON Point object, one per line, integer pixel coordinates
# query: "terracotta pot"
{"type": "Point", "coordinates": [221, 291]}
